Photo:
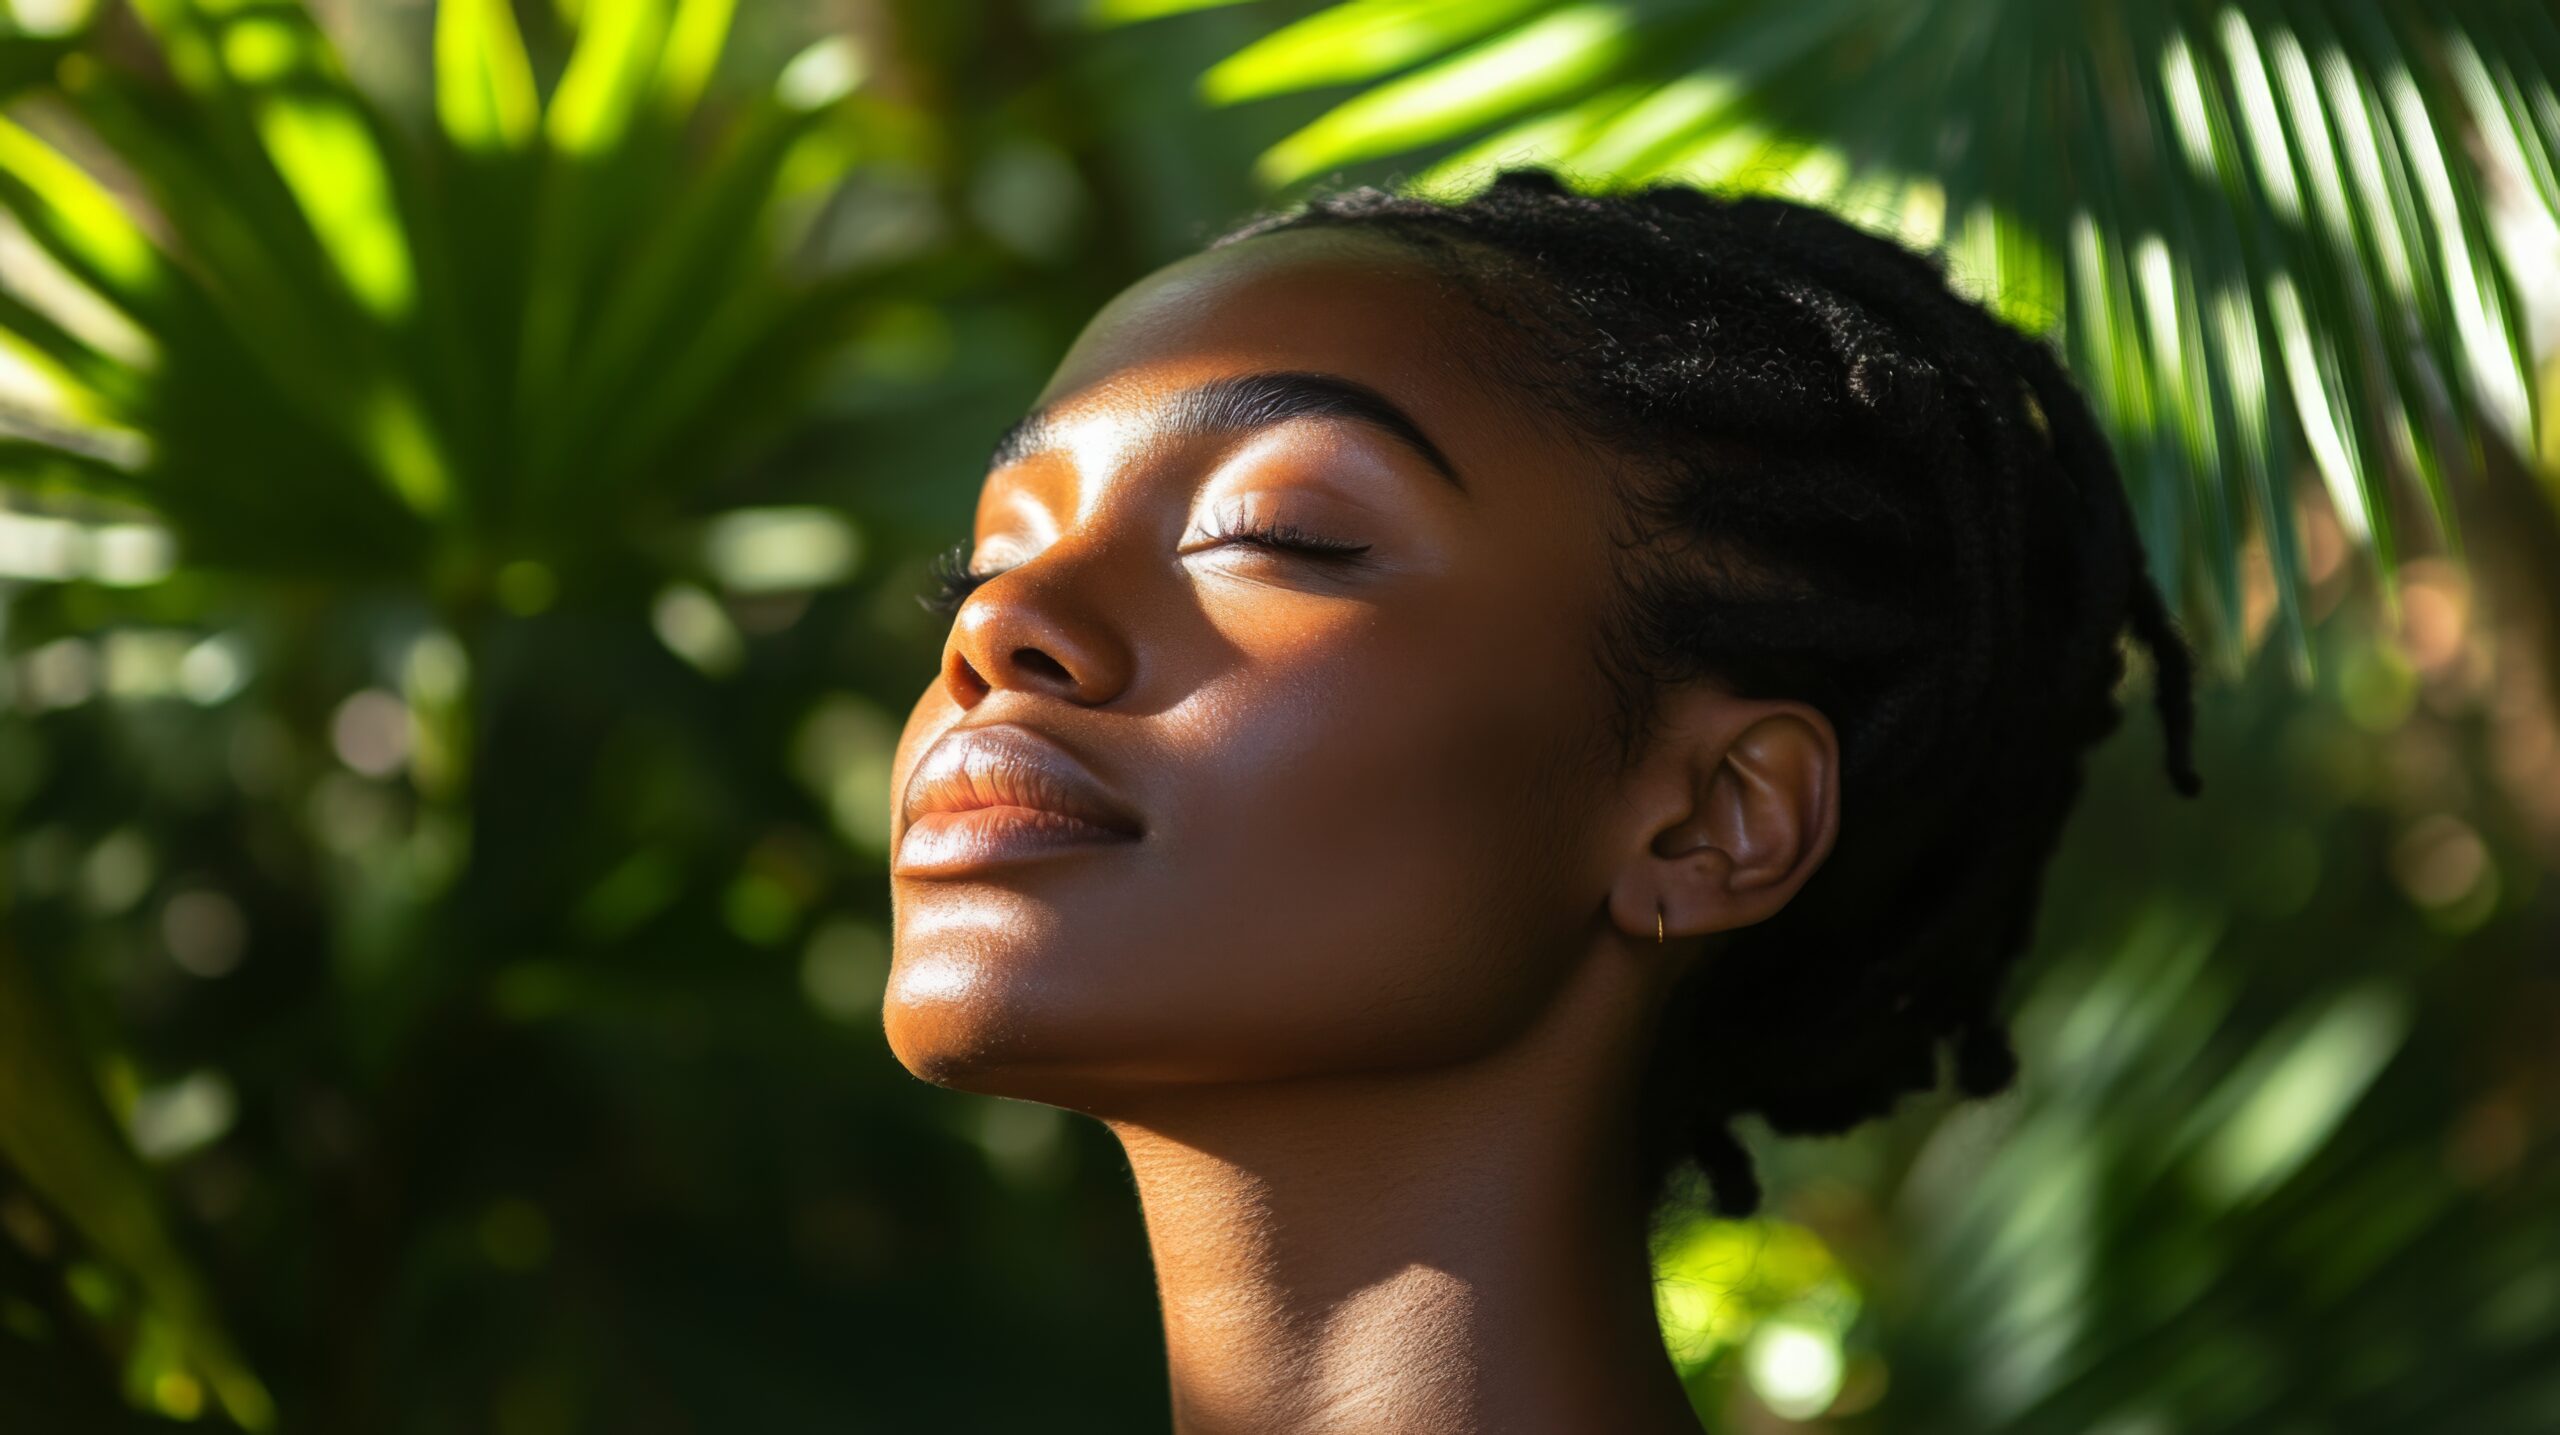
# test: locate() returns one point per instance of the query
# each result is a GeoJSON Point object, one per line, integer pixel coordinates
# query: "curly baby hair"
{"type": "Point", "coordinates": [1844, 483]}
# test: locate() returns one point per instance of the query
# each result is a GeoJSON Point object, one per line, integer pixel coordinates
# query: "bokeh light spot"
{"type": "Point", "coordinates": [1024, 1141]}
{"type": "Point", "coordinates": [204, 932]}
{"type": "Point", "coordinates": [1795, 1369]}
{"type": "Point", "coordinates": [760, 908]}
{"type": "Point", "coordinates": [117, 872]}
{"type": "Point", "coordinates": [214, 670]}
{"type": "Point", "coordinates": [822, 74]}
{"type": "Point", "coordinates": [844, 970]}
{"type": "Point", "coordinates": [772, 550]}
{"type": "Point", "coordinates": [693, 626]}
{"type": "Point", "coordinates": [846, 752]}
{"type": "Point", "coordinates": [2439, 860]}
{"type": "Point", "coordinates": [370, 732]}
{"type": "Point", "coordinates": [186, 1115]}
{"type": "Point", "coordinates": [179, 1395]}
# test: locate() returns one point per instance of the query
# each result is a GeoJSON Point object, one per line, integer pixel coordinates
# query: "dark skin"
{"type": "Point", "coordinates": [1367, 1000]}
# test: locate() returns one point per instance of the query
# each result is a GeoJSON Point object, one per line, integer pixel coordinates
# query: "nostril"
{"type": "Point", "coordinates": [1033, 660]}
{"type": "Point", "coordinates": [966, 682]}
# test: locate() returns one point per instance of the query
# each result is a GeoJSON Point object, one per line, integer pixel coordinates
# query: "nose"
{"type": "Point", "coordinates": [1038, 628]}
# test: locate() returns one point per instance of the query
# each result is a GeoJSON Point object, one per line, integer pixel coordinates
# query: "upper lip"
{"type": "Point", "coordinates": [1004, 765]}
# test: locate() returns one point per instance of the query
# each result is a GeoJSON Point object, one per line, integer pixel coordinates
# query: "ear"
{"type": "Point", "coordinates": [1734, 808]}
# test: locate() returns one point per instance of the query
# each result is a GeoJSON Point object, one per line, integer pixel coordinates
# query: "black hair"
{"type": "Point", "coordinates": [1844, 483]}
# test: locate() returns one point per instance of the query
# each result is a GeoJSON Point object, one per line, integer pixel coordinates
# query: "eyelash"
{"type": "Point", "coordinates": [952, 582]}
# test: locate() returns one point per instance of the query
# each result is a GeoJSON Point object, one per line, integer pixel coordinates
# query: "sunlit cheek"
{"type": "Point", "coordinates": [1280, 631]}
{"type": "Point", "coordinates": [1336, 719]}
{"type": "Point", "coordinates": [1287, 690]}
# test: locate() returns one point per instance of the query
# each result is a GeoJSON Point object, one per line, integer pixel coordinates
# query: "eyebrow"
{"type": "Point", "coordinates": [1246, 403]}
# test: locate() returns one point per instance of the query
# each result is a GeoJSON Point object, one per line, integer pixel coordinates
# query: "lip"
{"type": "Point", "coordinates": [989, 796]}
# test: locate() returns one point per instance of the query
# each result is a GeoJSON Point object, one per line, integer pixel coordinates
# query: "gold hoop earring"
{"type": "Point", "coordinates": [1657, 924]}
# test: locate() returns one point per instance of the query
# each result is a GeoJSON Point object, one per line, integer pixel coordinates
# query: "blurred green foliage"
{"type": "Point", "coordinates": [464, 474]}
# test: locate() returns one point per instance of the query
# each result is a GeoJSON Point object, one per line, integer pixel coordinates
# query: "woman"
{"type": "Point", "coordinates": [1450, 705]}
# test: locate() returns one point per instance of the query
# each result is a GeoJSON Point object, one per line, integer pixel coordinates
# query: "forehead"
{"type": "Point", "coordinates": [1329, 301]}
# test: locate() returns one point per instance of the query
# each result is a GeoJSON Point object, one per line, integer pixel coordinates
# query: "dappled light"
{"type": "Point", "coordinates": [467, 472]}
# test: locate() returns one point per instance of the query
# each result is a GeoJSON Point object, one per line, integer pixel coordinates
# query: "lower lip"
{"type": "Point", "coordinates": [948, 844]}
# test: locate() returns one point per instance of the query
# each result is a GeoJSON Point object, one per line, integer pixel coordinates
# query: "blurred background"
{"type": "Point", "coordinates": [466, 469]}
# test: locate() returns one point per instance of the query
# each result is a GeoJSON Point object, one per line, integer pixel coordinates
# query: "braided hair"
{"type": "Point", "coordinates": [1843, 483]}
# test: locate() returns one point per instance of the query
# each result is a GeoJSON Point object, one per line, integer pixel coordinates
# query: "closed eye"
{"type": "Point", "coordinates": [1290, 537]}
{"type": "Point", "coordinates": [951, 581]}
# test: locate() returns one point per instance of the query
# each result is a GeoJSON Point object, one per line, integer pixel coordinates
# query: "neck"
{"type": "Point", "coordinates": [1444, 1252]}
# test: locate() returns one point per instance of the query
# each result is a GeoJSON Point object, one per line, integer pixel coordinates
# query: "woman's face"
{"type": "Point", "coordinates": [1336, 778]}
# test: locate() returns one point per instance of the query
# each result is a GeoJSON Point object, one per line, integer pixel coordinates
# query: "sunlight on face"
{"type": "Point", "coordinates": [1306, 610]}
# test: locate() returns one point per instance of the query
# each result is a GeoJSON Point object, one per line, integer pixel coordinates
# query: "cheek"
{"type": "Point", "coordinates": [1384, 836]}
{"type": "Point", "coordinates": [1359, 857]}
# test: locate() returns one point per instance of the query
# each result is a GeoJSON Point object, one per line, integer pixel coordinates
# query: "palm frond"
{"type": "Point", "coordinates": [2258, 231]}
{"type": "Point", "coordinates": [316, 343]}
{"type": "Point", "coordinates": [372, 351]}
{"type": "Point", "coordinates": [58, 1134]}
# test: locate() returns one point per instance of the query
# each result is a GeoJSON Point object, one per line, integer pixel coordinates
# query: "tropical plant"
{"type": "Point", "coordinates": [477, 364]}
{"type": "Point", "coordinates": [2270, 1165]}
{"type": "Point", "coordinates": [443, 349]}
{"type": "Point", "coordinates": [464, 472]}
{"type": "Point", "coordinates": [2272, 1171]}
{"type": "Point", "coordinates": [2261, 230]}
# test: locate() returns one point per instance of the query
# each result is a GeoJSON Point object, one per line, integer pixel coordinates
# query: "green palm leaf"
{"type": "Point", "coordinates": [370, 351]}
{"type": "Point", "coordinates": [2257, 229]}
{"type": "Point", "coordinates": [59, 1135]}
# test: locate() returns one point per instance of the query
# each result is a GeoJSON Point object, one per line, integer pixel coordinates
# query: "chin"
{"type": "Point", "coordinates": [954, 1021]}
{"type": "Point", "coordinates": [948, 1020]}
